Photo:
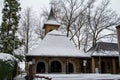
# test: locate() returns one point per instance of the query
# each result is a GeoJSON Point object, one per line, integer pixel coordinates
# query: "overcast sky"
{"type": "Point", "coordinates": [37, 5]}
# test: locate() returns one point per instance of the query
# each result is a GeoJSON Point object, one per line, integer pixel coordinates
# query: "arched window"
{"type": "Point", "coordinates": [41, 67]}
{"type": "Point", "coordinates": [70, 68]}
{"type": "Point", "coordinates": [56, 67]}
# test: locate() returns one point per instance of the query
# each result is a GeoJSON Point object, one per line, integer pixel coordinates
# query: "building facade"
{"type": "Point", "coordinates": [57, 54]}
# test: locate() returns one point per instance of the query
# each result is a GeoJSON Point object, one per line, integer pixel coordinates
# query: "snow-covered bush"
{"type": "Point", "coordinates": [7, 66]}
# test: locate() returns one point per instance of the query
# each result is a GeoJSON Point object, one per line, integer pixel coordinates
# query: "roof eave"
{"type": "Point", "coordinates": [58, 56]}
{"type": "Point", "coordinates": [118, 26]}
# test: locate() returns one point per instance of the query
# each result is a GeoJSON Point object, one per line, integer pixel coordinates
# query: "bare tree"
{"type": "Point", "coordinates": [66, 11]}
{"type": "Point", "coordinates": [1, 7]}
{"type": "Point", "coordinates": [77, 29]}
{"type": "Point", "coordinates": [99, 19]}
{"type": "Point", "coordinates": [27, 23]}
{"type": "Point", "coordinates": [84, 20]}
{"type": "Point", "coordinates": [44, 15]}
{"type": "Point", "coordinates": [72, 10]}
{"type": "Point", "coordinates": [39, 30]}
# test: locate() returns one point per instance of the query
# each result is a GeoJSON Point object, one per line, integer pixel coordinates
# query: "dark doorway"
{"type": "Point", "coordinates": [102, 67]}
{"type": "Point", "coordinates": [70, 68]}
{"type": "Point", "coordinates": [40, 67]}
{"type": "Point", "coordinates": [56, 67]}
{"type": "Point", "coordinates": [82, 67]}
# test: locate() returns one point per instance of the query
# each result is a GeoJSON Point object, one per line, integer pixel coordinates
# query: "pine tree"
{"type": "Point", "coordinates": [10, 19]}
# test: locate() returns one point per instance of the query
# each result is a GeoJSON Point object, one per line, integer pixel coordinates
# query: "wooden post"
{"type": "Point", "coordinates": [99, 64]}
{"type": "Point", "coordinates": [114, 66]}
{"type": "Point", "coordinates": [49, 67]}
{"type": "Point", "coordinates": [66, 65]}
{"type": "Point", "coordinates": [93, 65]}
{"type": "Point", "coordinates": [118, 35]}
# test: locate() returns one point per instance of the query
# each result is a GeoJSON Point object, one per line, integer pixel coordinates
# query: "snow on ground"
{"type": "Point", "coordinates": [20, 77]}
{"type": "Point", "coordinates": [22, 66]}
{"type": "Point", "coordinates": [77, 77]}
{"type": "Point", "coordinates": [81, 76]}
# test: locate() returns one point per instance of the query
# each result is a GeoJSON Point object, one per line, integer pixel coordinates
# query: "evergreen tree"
{"type": "Point", "coordinates": [10, 19]}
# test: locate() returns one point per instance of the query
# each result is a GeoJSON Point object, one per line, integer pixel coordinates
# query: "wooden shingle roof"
{"type": "Point", "coordinates": [104, 49]}
{"type": "Point", "coordinates": [106, 46]}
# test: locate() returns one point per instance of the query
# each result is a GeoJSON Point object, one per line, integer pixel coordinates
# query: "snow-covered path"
{"type": "Point", "coordinates": [82, 76]}
{"type": "Point", "coordinates": [77, 77]}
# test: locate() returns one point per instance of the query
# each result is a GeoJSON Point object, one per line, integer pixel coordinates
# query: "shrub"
{"type": "Point", "coordinates": [6, 69]}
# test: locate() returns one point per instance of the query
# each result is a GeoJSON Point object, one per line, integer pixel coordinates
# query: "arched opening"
{"type": "Point", "coordinates": [41, 67]}
{"type": "Point", "coordinates": [103, 67]}
{"type": "Point", "coordinates": [56, 67]}
{"type": "Point", "coordinates": [88, 67]}
{"type": "Point", "coordinates": [82, 68]}
{"type": "Point", "coordinates": [70, 68]}
{"type": "Point", "coordinates": [108, 68]}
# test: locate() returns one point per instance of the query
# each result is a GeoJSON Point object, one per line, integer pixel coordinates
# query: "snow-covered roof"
{"type": "Point", "coordinates": [56, 44]}
{"type": "Point", "coordinates": [52, 22]}
{"type": "Point", "coordinates": [105, 53]}
{"type": "Point", "coordinates": [5, 57]}
{"type": "Point", "coordinates": [56, 33]}
{"type": "Point", "coordinates": [104, 49]}
{"type": "Point", "coordinates": [118, 26]}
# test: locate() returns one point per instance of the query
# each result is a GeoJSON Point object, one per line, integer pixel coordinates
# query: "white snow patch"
{"type": "Point", "coordinates": [73, 76]}
{"type": "Point", "coordinates": [5, 57]}
{"type": "Point", "coordinates": [22, 66]}
{"type": "Point", "coordinates": [104, 53]}
{"type": "Point", "coordinates": [80, 76]}
{"type": "Point", "coordinates": [52, 22]}
{"type": "Point", "coordinates": [57, 33]}
{"type": "Point", "coordinates": [20, 77]}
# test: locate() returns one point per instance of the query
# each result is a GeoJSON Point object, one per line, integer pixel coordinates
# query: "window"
{"type": "Point", "coordinates": [70, 68]}
{"type": "Point", "coordinates": [103, 67]}
{"type": "Point", "coordinates": [56, 67]}
{"type": "Point", "coordinates": [40, 67]}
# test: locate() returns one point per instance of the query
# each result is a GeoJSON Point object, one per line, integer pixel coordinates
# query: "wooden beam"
{"type": "Point", "coordinates": [93, 65]}
{"type": "Point", "coordinates": [114, 66]}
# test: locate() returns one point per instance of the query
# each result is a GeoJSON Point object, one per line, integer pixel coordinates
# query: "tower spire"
{"type": "Point", "coordinates": [51, 23]}
{"type": "Point", "coordinates": [51, 15]}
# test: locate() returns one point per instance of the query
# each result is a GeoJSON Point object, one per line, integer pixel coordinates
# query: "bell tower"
{"type": "Point", "coordinates": [51, 23]}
